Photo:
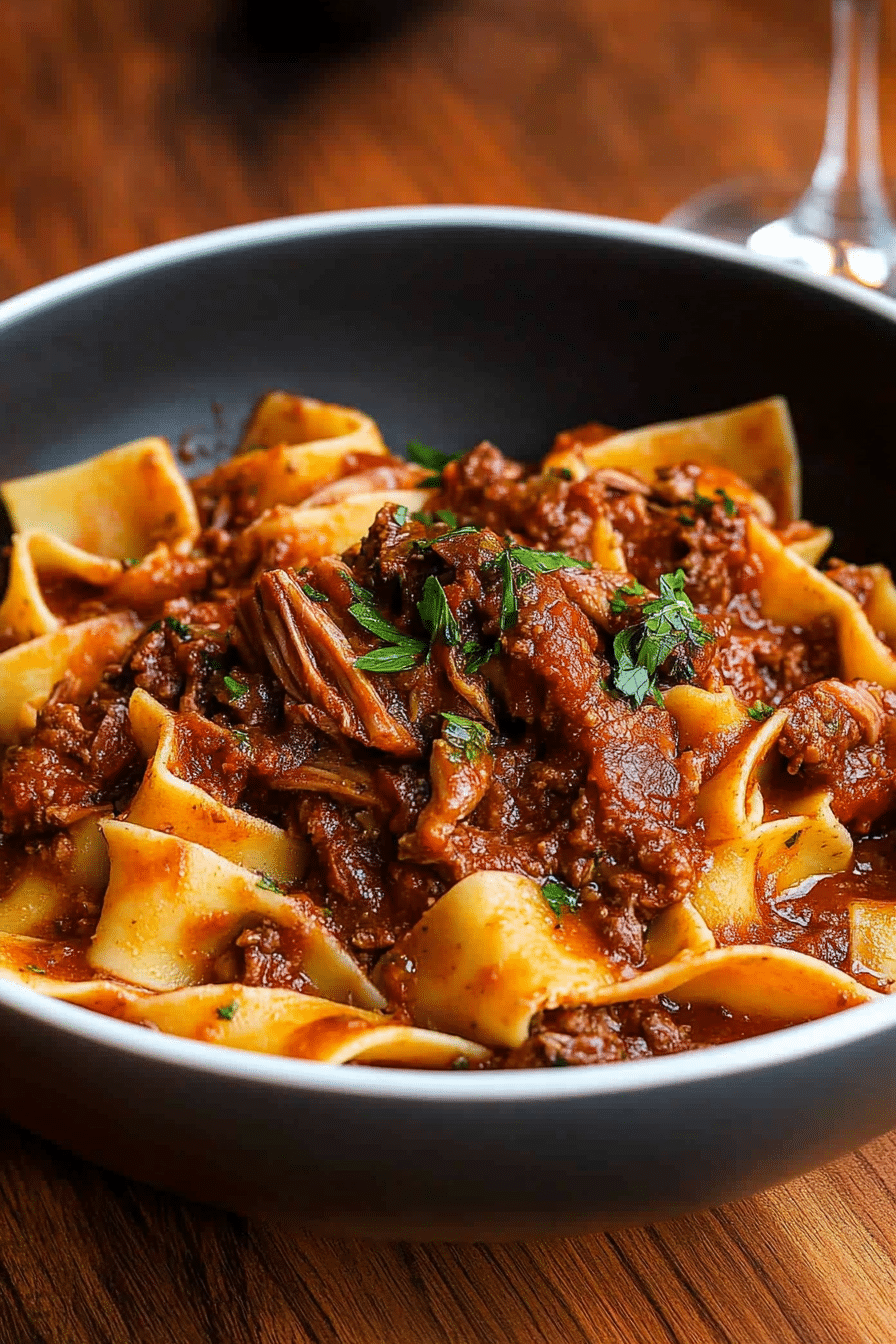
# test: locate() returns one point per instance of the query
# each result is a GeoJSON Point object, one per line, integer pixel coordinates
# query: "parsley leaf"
{"type": "Point", "coordinates": [396, 658]}
{"type": "Point", "coordinates": [401, 515]}
{"type": "Point", "coordinates": [668, 625]}
{"type": "Point", "coordinates": [435, 613]}
{"type": "Point", "coordinates": [267, 883]}
{"type": "Point", "coordinates": [432, 458]}
{"type": "Point", "coordinates": [237, 689]}
{"type": "Point", "coordinates": [403, 650]}
{"type": "Point", "coordinates": [314, 593]}
{"type": "Point", "coordinates": [479, 654]}
{"type": "Point", "coordinates": [510, 605]}
{"type": "Point", "coordinates": [182, 631]}
{"type": "Point", "coordinates": [241, 737]}
{"type": "Point", "coordinates": [728, 502]}
{"type": "Point", "coordinates": [227, 1011]}
{"type": "Point", "coordinates": [465, 737]}
{"type": "Point", "coordinates": [760, 711]}
{"type": "Point", "coordinates": [618, 603]}
{"type": "Point", "coordinates": [423, 516]}
{"type": "Point", "coordinates": [543, 562]}
{"type": "Point", "coordinates": [559, 896]}
{"type": "Point", "coordinates": [461, 1062]}
{"type": "Point", "coordinates": [448, 517]}
{"type": "Point", "coordinates": [35, 970]}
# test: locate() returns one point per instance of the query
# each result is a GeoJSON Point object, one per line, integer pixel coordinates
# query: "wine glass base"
{"type": "Point", "coordinates": [762, 214]}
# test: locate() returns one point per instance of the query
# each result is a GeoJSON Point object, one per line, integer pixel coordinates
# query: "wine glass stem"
{"type": "Point", "coordinates": [846, 199]}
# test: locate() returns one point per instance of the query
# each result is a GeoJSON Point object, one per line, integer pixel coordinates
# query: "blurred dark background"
{"type": "Point", "coordinates": [126, 122]}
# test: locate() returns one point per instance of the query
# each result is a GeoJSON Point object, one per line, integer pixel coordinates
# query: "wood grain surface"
{"type": "Point", "coordinates": [128, 122]}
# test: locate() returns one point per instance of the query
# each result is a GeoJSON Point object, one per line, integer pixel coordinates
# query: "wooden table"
{"type": "Point", "coordinates": [127, 122]}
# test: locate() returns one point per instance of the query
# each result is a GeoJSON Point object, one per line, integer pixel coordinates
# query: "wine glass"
{"type": "Point", "coordinates": [841, 224]}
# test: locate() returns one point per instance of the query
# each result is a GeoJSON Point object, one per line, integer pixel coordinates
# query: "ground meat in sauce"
{"type": "Point", "coordinates": [276, 719]}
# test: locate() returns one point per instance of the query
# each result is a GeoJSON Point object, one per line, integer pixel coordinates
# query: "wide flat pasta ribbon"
{"type": "Point", "coordinates": [491, 953]}
{"type": "Point", "coordinates": [120, 504]}
{"type": "Point", "coordinates": [40, 963]}
{"type": "Point", "coordinates": [24, 613]}
{"type": "Point", "coordinates": [292, 446]}
{"type": "Point", "coordinates": [41, 896]}
{"type": "Point", "coordinates": [282, 1022]}
{"type": "Point", "coordinates": [755, 442]}
{"type": "Point", "coordinates": [29, 671]}
{"type": "Point", "coordinates": [310, 534]}
{"type": "Point", "coordinates": [172, 908]}
{"type": "Point", "coordinates": [794, 593]}
{"type": "Point", "coordinates": [165, 800]}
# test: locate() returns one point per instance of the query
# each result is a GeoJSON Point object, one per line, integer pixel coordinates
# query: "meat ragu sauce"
{"type": "Point", "coordinates": [447, 698]}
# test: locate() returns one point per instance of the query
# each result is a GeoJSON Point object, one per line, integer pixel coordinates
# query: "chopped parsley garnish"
{"type": "Point", "coordinates": [448, 517]}
{"type": "Point", "coordinates": [465, 737]}
{"type": "Point", "coordinates": [563, 472]}
{"type": "Point", "coordinates": [479, 654]}
{"type": "Point", "coordinates": [424, 516]}
{"type": "Point", "coordinates": [402, 651]}
{"type": "Point", "coordinates": [227, 1011]}
{"type": "Point", "coordinates": [241, 737]}
{"type": "Point", "coordinates": [35, 970]}
{"type": "Point", "coordinates": [396, 658]}
{"type": "Point", "coordinates": [703, 504]}
{"type": "Point", "coordinates": [760, 711]}
{"type": "Point", "coordinates": [543, 562]}
{"type": "Point", "coordinates": [559, 896]}
{"type": "Point", "coordinates": [130, 562]}
{"type": "Point", "coordinates": [401, 514]}
{"type": "Point", "coordinates": [510, 605]}
{"type": "Point", "coordinates": [182, 631]}
{"type": "Point", "coordinates": [432, 458]}
{"type": "Point", "coordinates": [618, 603]}
{"type": "Point", "coordinates": [668, 625]}
{"type": "Point", "coordinates": [237, 689]}
{"type": "Point", "coordinates": [435, 613]}
{"type": "Point", "coordinates": [424, 543]}
{"type": "Point", "coordinates": [267, 883]}
{"type": "Point", "coordinates": [460, 1063]}
{"type": "Point", "coordinates": [789, 844]}
{"type": "Point", "coordinates": [314, 593]}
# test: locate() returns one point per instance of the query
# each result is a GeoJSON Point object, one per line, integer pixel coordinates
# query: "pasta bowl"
{"type": "Point", "coordinates": [451, 324]}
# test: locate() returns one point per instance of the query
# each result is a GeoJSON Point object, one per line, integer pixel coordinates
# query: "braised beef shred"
{"type": "Point", "coordinates": [275, 717]}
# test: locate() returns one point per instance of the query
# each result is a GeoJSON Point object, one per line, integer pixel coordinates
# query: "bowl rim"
{"type": "Point", "coordinates": [759, 1054]}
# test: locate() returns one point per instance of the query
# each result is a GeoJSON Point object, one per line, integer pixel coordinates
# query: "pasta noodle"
{"type": "Point", "coordinates": [447, 762]}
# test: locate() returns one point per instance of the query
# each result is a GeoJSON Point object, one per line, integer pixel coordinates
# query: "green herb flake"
{"type": "Point", "coordinates": [314, 593]}
{"type": "Point", "coordinates": [236, 689]}
{"type": "Point", "coordinates": [401, 514]}
{"type": "Point", "coordinates": [559, 896]}
{"type": "Point", "coordinates": [465, 737]}
{"type": "Point", "coordinates": [424, 517]}
{"type": "Point", "coordinates": [558, 1062]}
{"type": "Point", "coordinates": [460, 1063]}
{"type": "Point", "coordinates": [728, 503]}
{"type": "Point", "coordinates": [267, 883]}
{"type": "Point", "coordinates": [760, 711]}
{"type": "Point", "coordinates": [509, 601]}
{"type": "Point", "coordinates": [326, 912]}
{"type": "Point", "coordinates": [242, 738]}
{"type": "Point", "coordinates": [435, 613]}
{"type": "Point", "coordinates": [130, 562]}
{"type": "Point", "coordinates": [668, 625]}
{"type": "Point", "coordinates": [227, 1011]}
{"type": "Point", "coordinates": [543, 562]}
{"type": "Point", "coordinates": [35, 970]}
{"type": "Point", "coordinates": [564, 473]}
{"type": "Point", "coordinates": [448, 517]}
{"type": "Point", "coordinates": [618, 603]}
{"type": "Point", "coordinates": [156, 625]}
{"type": "Point", "coordinates": [182, 631]}
{"type": "Point", "coordinates": [789, 844]}
{"type": "Point", "coordinates": [393, 659]}
{"type": "Point", "coordinates": [431, 458]}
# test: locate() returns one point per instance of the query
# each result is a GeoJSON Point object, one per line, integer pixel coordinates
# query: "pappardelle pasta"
{"type": "Point", "coordinates": [446, 762]}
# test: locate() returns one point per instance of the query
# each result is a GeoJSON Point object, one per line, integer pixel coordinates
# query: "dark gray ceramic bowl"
{"type": "Point", "coordinates": [452, 325]}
